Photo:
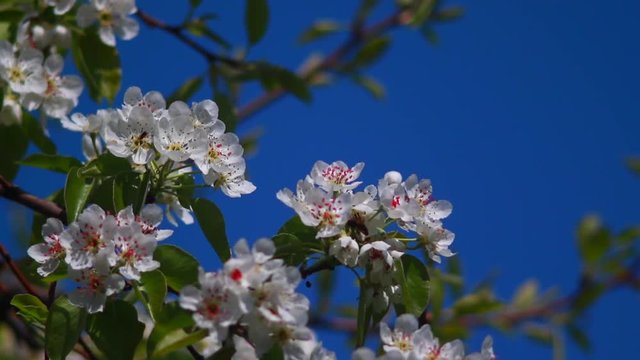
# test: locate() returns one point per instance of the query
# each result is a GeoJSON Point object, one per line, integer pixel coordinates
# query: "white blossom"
{"type": "Point", "coordinates": [135, 251]}
{"type": "Point", "coordinates": [91, 234]}
{"type": "Point", "coordinates": [230, 179]}
{"type": "Point", "coordinates": [23, 73]}
{"type": "Point", "coordinates": [133, 137]}
{"type": "Point", "coordinates": [336, 176]}
{"type": "Point", "coordinates": [346, 250]}
{"type": "Point", "coordinates": [48, 253]}
{"type": "Point", "coordinates": [486, 353]}
{"type": "Point", "coordinates": [96, 284]}
{"type": "Point", "coordinates": [112, 17]}
{"type": "Point", "coordinates": [152, 100]}
{"type": "Point", "coordinates": [436, 241]}
{"type": "Point", "coordinates": [176, 138]}
{"type": "Point", "coordinates": [61, 6]}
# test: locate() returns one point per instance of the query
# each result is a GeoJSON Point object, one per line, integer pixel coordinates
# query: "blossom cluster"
{"type": "Point", "coordinates": [148, 133]}
{"type": "Point", "coordinates": [33, 82]}
{"type": "Point", "coordinates": [253, 295]}
{"type": "Point", "coordinates": [101, 250]}
{"type": "Point", "coordinates": [407, 341]}
{"type": "Point", "coordinates": [355, 223]}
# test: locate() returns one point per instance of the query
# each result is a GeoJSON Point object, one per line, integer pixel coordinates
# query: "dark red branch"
{"type": "Point", "coordinates": [45, 207]}
{"type": "Point", "coordinates": [17, 272]}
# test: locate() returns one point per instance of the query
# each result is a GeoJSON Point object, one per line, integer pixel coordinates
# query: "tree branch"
{"type": "Point", "coordinates": [44, 207]}
{"type": "Point", "coordinates": [18, 273]}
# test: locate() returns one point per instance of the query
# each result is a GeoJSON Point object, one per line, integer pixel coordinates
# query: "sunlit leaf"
{"type": "Point", "coordinates": [256, 19]}
{"type": "Point", "coordinates": [211, 222]}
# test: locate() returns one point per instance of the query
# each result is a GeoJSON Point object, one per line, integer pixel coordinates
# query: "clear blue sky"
{"type": "Point", "coordinates": [522, 118]}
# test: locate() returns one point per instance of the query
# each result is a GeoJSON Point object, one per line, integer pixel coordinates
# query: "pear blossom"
{"type": "Point", "coordinates": [113, 18]}
{"type": "Point", "coordinates": [61, 94]}
{"type": "Point", "coordinates": [401, 338]}
{"type": "Point", "coordinates": [436, 241]}
{"type": "Point", "coordinates": [152, 100]}
{"type": "Point", "coordinates": [50, 252]}
{"type": "Point", "coordinates": [203, 114]}
{"type": "Point", "coordinates": [24, 73]}
{"type": "Point", "coordinates": [336, 176]}
{"type": "Point", "coordinates": [176, 138]}
{"type": "Point", "coordinates": [378, 258]}
{"type": "Point", "coordinates": [61, 6]}
{"type": "Point", "coordinates": [90, 235]}
{"type": "Point", "coordinates": [175, 209]}
{"type": "Point", "coordinates": [132, 137]}
{"type": "Point", "coordinates": [217, 151]}
{"type": "Point", "coordinates": [135, 251]}
{"type": "Point", "coordinates": [41, 35]}
{"type": "Point", "coordinates": [346, 250]}
{"type": "Point", "coordinates": [81, 123]}
{"type": "Point", "coordinates": [244, 350]}
{"type": "Point", "coordinates": [486, 352]}
{"type": "Point", "coordinates": [230, 179]}
{"type": "Point", "coordinates": [11, 112]}
{"type": "Point", "coordinates": [96, 284]}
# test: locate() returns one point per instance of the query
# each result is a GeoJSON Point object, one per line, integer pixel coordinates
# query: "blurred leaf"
{"type": "Point", "coordinates": [56, 163]}
{"type": "Point", "coordinates": [195, 3]}
{"type": "Point", "coordinates": [256, 19]}
{"type": "Point", "coordinates": [186, 90]}
{"type": "Point", "coordinates": [593, 239]}
{"type": "Point", "coordinates": [275, 353]}
{"type": "Point", "coordinates": [198, 27]}
{"type": "Point", "coordinates": [186, 189]}
{"type": "Point", "coordinates": [579, 337]}
{"type": "Point", "coordinates": [430, 35]}
{"type": "Point", "coordinates": [182, 342]}
{"type": "Point", "coordinates": [13, 145]}
{"type": "Point", "coordinates": [154, 284]}
{"type": "Point", "coordinates": [422, 11]}
{"type": "Point", "coordinates": [634, 164]}
{"type": "Point", "coordinates": [449, 14]}
{"type": "Point", "coordinates": [588, 294]}
{"type": "Point", "coordinates": [171, 318]}
{"type": "Point", "coordinates": [364, 315]}
{"type": "Point", "coordinates": [476, 303]}
{"type": "Point", "coordinates": [413, 278]}
{"type": "Point", "coordinates": [35, 132]}
{"type": "Point", "coordinates": [99, 65]}
{"type": "Point", "coordinates": [526, 295]}
{"type": "Point", "coordinates": [227, 112]}
{"type": "Point", "coordinates": [370, 84]}
{"type": "Point", "coordinates": [295, 242]}
{"type": "Point", "coordinates": [319, 29]}
{"type": "Point", "coordinates": [211, 222]}
{"type": "Point", "coordinates": [540, 333]}
{"type": "Point", "coordinates": [64, 325]}
{"type": "Point", "coordinates": [106, 195]}
{"type": "Point", "coordinates": [365, 9]}
{"type": "Point", "coordinates": [76, 193]}
{"type": "Point", "coordinates": [9, 21]}
{"type": "Point", "coordinates": [141, 192]}
{"type": "Point", "coordinates": [116, 331]}
{"type": "Point", "coordinates": [30, 308]}
{"type": "Point", "coordinates": [629, 235]}
{"type": "Point", "coordinates": [370, 52]}
{"type": "Point", "coordinates": [178, 266]}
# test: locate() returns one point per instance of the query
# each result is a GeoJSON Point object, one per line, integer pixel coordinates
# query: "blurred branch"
{"type": "Point", "coordinates": [45, 207]}
{"type": "Point", "coordinates": [18, 273]}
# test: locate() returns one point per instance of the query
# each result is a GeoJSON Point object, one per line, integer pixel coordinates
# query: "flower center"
{"type": "Point", "coordinates": [175, 147]}
{"type": "Point", "coordinates": [105, 17]}
{"type": "Point", "coordinates": [16, 75]}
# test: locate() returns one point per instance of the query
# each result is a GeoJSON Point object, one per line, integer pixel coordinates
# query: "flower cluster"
{"type": "Point", "coordinates": [33, 82]}
{"type": "Point", "coordinates": [101, 250]}
{"type": "Point", "coordinates": [407, 341]}
{"type": "Point", "coordinates": [356, 224]}
{"type": "Point", "coordinates": [254, 295]}
{"type": "Point", "coordinates": [167, 141]}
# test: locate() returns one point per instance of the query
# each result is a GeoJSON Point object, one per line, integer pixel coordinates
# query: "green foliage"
{"type": "Point", "coordinates": [31, 309]}
{"type": "Point", "coordinates": [275, 353]}
{"type": "Point", "coordinates": [371, 85]}
{"type": "Point", "coordinates": [413, 278]}
{"type": "Point", "coordinates": [13, 146]}
{"type": "Point", "coordinates": [116, 331]}
{"type": "Point", "coordinates": [55, 163]}
{"type": "Point", "coordinates": [364, 314]}
{"type": "Point", "coordinates": [154, 285]}
{"type": "Point", "coordinates": [64, 325]}
{"type": "Point", "coordinates": [256, 19]}
{"type": "Point", "coordinates": [319, 29]}
{"type": "Point", "coordinates": [211, 222]}
{"type": "Point", "coordinates": [168, 324]}
{"type": "Point", "coordinates": [295, 242]}
{"type": "Point", "coordinates": [76, 193]}
{"type": "Point", "coordinates": [35, 132]}
{"type": "Point", "coordinates": [593, 239]}
{"type": "Point", "coordinates": [177, 265]}
{"type": "Point", "coordinates": [106, 165]}
{"type": "Point", "coordinates": [99, 65]}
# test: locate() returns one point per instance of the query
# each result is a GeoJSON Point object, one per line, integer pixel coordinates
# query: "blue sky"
{"type": "Point", "coordinates": [522, 118]}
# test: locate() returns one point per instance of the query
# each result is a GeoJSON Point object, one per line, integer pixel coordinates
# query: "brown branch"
{"type": "Point", "coordinates": [45, 207]}
{"type": "Point", "coordinates": [179, 33]}
{"type": "Point", "coordinates": [17, 272]}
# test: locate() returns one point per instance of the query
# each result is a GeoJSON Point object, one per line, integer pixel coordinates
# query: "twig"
{"type": "Point", "coordinates": [178, 33]}
{"type": "Point", "coordinates": [195, 354]}
{"type": "Point", "coordinates": [17, 272]}
{"type": "Point", "coordinates": [45, 207]}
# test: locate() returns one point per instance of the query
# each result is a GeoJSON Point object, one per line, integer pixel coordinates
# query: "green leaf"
{"type": "Point", "coordinates": [633, 163]}
{"type": "Point", "coordinates": [371, 52]}
{"type": "Point", "coordinates": [186, 90]}
{"type": "Point", "coordinates": [116, 331]}
{"type": "Point", "coordinates": [64, 325]}
{"type": "Point", "coordinates": [76, 193]}
{"type": "Point", "coordinates": [294, 226]}
{"type": "Point", "coordinates": [31, 308]}
{"type": "Point", "coordinates": [99, 65]}
{"type": "Point", "coordinates": [13, 145]}
{"type": "Point", "coordinates": [154, 284]}
{"type": "Point", "coordinates": [178, 266]}
{"type": "Point", "coordinates": [171, 318]}
{"type": "Point", "coordinates": [195, 3]}
{"type": "Point", "coordinates": [579, 337]}
{"type": "Point", "coordinates": [372, 86]}
{"type": "Point", "coordinates": [256, 19]}
{"type": "Point", "coordinates": [227, 112]}
{"type": "Point", "coordinates": [106, 165]}
{"type": "Point", "coordinates": [198, 27]}
{"type": "Point", "coordinates": [413, 278]}
{"type": "Point", "coordinates": [294, 84]}
{"type": "Point", "coordinates": [275, 353]}
{"type": "Point", "coordinates": [56, 163]}
{"type": "Point", "coordinates": [319, 29]}
{"type": "Point", "coordinates": [526, 295]}
{"type": "Point", "coordinates": [181, 342]}
{"type": "Point", "coordinates": [35, 132]}
{"type": "Point", "coordinates": [364, 314]}
{"type": "Point", "coordinates": [295, 242]}
{"type": "Point", "coordinates": [476, 303]}
{"type": "Point", "coordinates": [422, 11]}
{"type": "Point", "coordinates": [430, 35]}
{"type": "Point", "coordinates": [593, 239]}
{"type": "Point", "coordinates": [211, 222]}
{"type": "Point", "coordinates": [9, 21]}
{"type": "Point", "coordinates": [449, 14]}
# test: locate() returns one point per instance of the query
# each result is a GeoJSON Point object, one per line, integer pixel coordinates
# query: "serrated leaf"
{"type": "Point", "coordinates": [99, 65]}
{"type": "Point", "coordinates": [154, 284]}
{"type": "Point", "coordinates": [186, 90]}
{"type": "Point", "coordinates": [178, 266]}
{"type": "Point", "coordinates": [35, 132]}
{"type": "Point", "coordinates": [116, 331]}
{"type": "Point", "coordinates": [30, 308]}
{"type": "Point", "coordinates": [256, 19]}
{"type": "Point", "coordinates": [413, 278]}
{"type": "Point", "coordinates": [319, 29]}
{"type": "Point", "coordinates": [55, 163]}
{"type": "Point", "coordinates": [76, 192]}
{"type": "Point", "coordinates": [64, 325]}
{"type": "Point", "coordinates": [211, 222]}
{"type": "Point", "coordinates": [13, 145]}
